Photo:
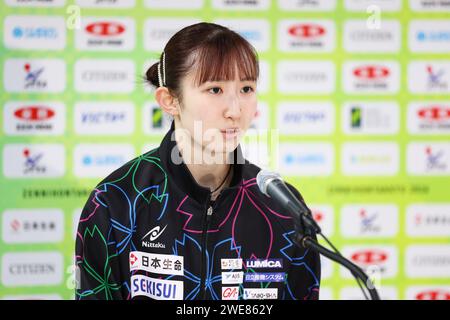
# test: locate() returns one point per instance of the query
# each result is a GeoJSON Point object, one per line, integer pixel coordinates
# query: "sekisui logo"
{"type": "Point", "coordinates": [106, 34]}
{"type": "Point", "coordinates": [380, 77]}
{"type": "Point", "coordinates": [306, 36]}
{"type": "Point", "coordinates": [159, 289]}
{"type": "Point", "coordinates": [230, 293]}
{"type": "Point", "coordinates": [151, 236]}
{"type": "Point", "coordinates": [28, 118]}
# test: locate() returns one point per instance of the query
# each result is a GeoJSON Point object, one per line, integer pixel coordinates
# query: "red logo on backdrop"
{"type": "Point", "coordinates": [105, 28]}
{"type": "Point", "coordinates": [230, 292]}
{"type": "Point", "coordinates": [133, 259]}
{"type": "Point", "coordinates": [306, 31]}
{"type": "Point", "coordinates": [434, 113]}
{"type": "Point", "coordinates": [371, 72]}
{"type": "Point", "coordinates": [368, 257]}
{"type": "Point", "coordinates": [34, 113]}
{"type": "Point", "coordinates": [318, 216]}
{"type": "Point", "coordinates": [433, 295]}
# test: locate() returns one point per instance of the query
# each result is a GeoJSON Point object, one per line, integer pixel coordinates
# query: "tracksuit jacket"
{"type": "Point", "coordinates": [149, 231]}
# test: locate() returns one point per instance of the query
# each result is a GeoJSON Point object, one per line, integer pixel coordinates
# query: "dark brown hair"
{"type": "Point", "coordinates": [213, 51]}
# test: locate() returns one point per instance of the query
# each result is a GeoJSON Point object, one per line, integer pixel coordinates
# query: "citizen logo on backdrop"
{"type": "Point", "coordinates": [158, 31]}
{"type": "Point", "coordinates": [306, 36]}
{"type": "Point", "coordinates": [113, 76]}
{"type": "Point", "coordinates": [255, 31]}
{"type": "Point", "coordinates": [111, 34]}
{"type": "Point", "coordinates": [429, 36]}
{"type": "Point", "coordinates": [32, 269]}
{"type": "Point", "coordinates": [371, 77]}
{"type": "Point", "coordinates": [35, 75]}
{"type": "Point", "coordinates": [359, 38]}
{"type": "Point", "coordinates": [428, 261]}
{"type": "Point", "coordinates": [33, 226]}
{"type": "Point", "coordinates": [429, 118]}
{"type": "Point", "coordinates": [428, 220]}
{"type": "Point", "coordinates": [312, 77]}
{"type": "Point", "coordinates": [382, 259]}
{"type": "Point", "coordinates": [32, 118]}
{"type": "Point", "coordinates": [34, 32]}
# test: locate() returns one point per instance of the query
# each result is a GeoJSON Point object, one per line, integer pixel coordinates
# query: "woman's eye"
{"type": "Point", "coordinates": [247, 89]}
{"type": "Point", "coordinates": [215, 90]}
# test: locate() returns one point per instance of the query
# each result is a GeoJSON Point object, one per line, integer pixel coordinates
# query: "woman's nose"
{"type": "Point", "coordinates": [233, 108]}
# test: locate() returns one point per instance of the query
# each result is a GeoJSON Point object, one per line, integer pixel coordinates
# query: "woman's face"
{"type": "Point", "coordinates": [217, 114]}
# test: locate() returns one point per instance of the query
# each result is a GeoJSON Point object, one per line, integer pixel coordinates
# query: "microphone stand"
{"type": "Point", "coordinates": [304, 240]}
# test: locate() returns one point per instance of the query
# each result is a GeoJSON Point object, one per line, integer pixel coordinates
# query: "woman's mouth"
{"type": "Point", "coordinates": [230, 133]}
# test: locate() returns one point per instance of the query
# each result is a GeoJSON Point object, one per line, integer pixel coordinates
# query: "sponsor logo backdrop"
{"type": "Point", "coordinates": [359, 90]}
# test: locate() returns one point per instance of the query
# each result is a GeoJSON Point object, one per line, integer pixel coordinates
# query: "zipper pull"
{"type": "Point", "coordinates": [210, 211]}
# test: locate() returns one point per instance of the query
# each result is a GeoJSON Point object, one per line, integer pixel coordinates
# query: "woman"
{"type": "Point", "coordinates": [186, 220]}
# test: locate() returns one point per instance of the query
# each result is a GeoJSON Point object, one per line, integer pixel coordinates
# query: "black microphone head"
{"type": "Point", "coordinates": [264, 177]}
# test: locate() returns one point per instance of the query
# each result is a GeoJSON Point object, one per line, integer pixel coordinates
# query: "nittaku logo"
{"type": "Point", "coordinates": [434, 159]}
{"type": "Point", "coordinates": [32, 77]}
{"type": "Point", "coordinates": [31, 163]}
{"type": "Point", "coordinates": [153, 234]}
{"type": "Point", "coordinates": [368, 221]}
{"type": "Point", "coordinates": [435, 80]}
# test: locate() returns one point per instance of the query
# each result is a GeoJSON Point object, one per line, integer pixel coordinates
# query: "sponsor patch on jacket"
{"type": "Point", "coordinates": [260, 294]}
{"type": "Point", "coordinates": [265, 277]}
{"type": "Point", "coordinates": [232, 277]}
{"type": "Point", "coordinates": [158, 289]}
{"type": "Point", "coordinates": [264, 263]}
{"type": "Point", "coordinates": [230, 293]}
{"type": "Point", "coordinates": [230, 264]}
{"type": "Point", "coordinates": [156, 263]}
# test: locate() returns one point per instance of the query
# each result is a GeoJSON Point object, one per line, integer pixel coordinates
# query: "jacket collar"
{"type": "Point", "coordinates": [180, 174]}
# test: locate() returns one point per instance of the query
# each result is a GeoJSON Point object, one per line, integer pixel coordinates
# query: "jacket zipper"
{"type": "Point", "coordinates": [208, 216]}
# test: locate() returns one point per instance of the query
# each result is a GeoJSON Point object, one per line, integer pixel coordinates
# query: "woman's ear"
{"type": "Point", "coordinates": [166, 101]}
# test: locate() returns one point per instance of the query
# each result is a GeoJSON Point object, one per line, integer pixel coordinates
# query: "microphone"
{"type": "Point", "coordinates": [272, 185]}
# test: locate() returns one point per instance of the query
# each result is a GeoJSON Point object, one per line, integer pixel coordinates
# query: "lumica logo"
{"type": "Point", "coordinates": [153, 235]}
